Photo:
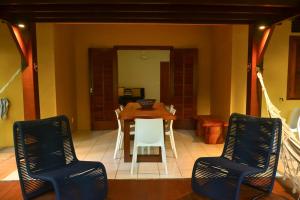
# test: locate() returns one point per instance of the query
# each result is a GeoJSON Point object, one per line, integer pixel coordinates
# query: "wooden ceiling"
{"type": "Point", "coordinates": [163, 11]}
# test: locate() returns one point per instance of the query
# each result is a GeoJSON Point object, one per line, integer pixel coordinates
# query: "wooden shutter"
{"type": "Point", "coordinates": [184, 87]}
{"type": "Point", "coordinates": [102, 88]}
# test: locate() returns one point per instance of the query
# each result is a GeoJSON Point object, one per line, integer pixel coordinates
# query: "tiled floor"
{"type": "Point", "coordinates": [99, 146]}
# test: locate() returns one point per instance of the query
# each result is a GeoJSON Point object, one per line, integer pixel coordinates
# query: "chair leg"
{"type": "Point", "coordinates": [164, 158]}
{"type": "Point", "coordinates": [121, 140]}
{"type": "Point", "coordinates": [173, 143]}
{"type": "Point", "coordinates": [117, 143]}
{"type": "Point", "coordinates": [134, 158]}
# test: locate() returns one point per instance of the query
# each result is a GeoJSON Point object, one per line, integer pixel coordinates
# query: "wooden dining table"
{"type": "Point", "coordinates": [133, 110]}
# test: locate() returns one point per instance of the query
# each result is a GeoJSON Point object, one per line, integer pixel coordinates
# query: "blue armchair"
{"type": "Point", "coordinates": [250, 156]}
{"type": "Point", "coordinates": [46, 161]}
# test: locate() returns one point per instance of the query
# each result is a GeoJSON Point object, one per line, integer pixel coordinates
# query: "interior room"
{"type": "Point", "coordinates": [94, 71]}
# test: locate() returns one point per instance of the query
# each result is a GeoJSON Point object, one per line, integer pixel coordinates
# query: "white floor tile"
{"type": "Point", "coordinates": [100, 146]}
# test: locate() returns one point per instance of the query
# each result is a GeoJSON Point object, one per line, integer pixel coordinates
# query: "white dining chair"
{"type": "Point", "coordinates": [120, 134]}
{"type": "Point", "coordinates": [149, 133]}
{"type": "Point", "coordinates": [169, 132]}
{"type": "Point", "coordinates": [171, 108]}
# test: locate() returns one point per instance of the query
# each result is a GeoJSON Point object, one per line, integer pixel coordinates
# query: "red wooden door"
{"type": "Point", "coordinates": [103, 88]}
{"type": "Point", "coordinates": [184, 87]}
{"type": "Point", "coordinates": [165, 85]}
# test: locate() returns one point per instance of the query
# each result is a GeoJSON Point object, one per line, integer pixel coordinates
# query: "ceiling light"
{"type": "Point", "coordinates": [20, 25]}
{"type": "Point", "coordinates": [262, 27]}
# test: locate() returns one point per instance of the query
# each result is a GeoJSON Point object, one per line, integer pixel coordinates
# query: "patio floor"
{"type": "Point", "coordinates": [99, 146]}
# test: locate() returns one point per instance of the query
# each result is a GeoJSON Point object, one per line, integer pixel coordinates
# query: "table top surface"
{"type": "Point", "coordinates": [133, 110]}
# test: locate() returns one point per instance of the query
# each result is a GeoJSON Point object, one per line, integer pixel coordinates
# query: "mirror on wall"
{"type": "Point", "coordinates": [139, 74]}
{"type": "Point", "coordinates": [11, 90]}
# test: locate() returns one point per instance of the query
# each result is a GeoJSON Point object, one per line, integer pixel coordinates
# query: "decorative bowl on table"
{"type": "Point", "coordinates": [146, 103]}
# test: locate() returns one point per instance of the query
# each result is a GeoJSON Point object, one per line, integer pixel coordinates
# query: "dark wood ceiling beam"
{"type": "Point", "coordinates": [85, 15]}
{"type": "Point", "coordinates": [148, 8]}
{"type": "Point", "coordinates": [280, 3]}
{"type": "Point", "coordinates": [228, 11]}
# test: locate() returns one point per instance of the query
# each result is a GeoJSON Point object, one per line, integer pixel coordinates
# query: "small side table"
{"type": "Point", "coordinates": [212, 128]}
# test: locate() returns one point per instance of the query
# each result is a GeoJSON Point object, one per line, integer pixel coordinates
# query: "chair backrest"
{"type": "Point", "coordinates": [43, 144]}
{"type": "Point", "coordinates": [121, 107]}
{"type": "Point", "coordinates": [171, 108]}
{"type": "Point", "coordinates": [295, 114]}
{"type": "Point", "coordinates": [117, 111]}
{"type": "Point", "coordinates": [170, 123]}
{"type": "Point", "coordinates": [149, 131]}
{"type": "Point", "coordinates": [253, 141]}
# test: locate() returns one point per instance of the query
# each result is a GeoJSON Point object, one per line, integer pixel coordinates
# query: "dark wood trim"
{"type": "Point", "coordinates": [141, 47]}
{"type": "Point", "coordinates": [179, 11]}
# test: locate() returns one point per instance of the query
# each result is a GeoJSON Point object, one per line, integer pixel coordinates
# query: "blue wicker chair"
{"type": "Point", "coordinates": [46, 161]}
{"type": "Point", "coordinates": [250, 156]}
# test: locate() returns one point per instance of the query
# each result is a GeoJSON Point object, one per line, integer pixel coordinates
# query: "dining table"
{"type": "Point", "coordinates": [134, 110]}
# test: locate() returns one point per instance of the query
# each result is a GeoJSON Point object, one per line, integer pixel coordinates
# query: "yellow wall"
{"type": "Point", "coordinates": [46, 75]}
{"type": "Point", "coordinates": [65, 74]}
{"type": "Point", "coordinates": [239, 69]}
{"type": "Point", "coordinates": [141, 68]}
{"type": "Point", "coordinates": [56, 72]}
{"type": "Point", "coordinates": [108, 35]}
{"type": "Point", "coordinates": [229, 70]}
{"type": "Point", "coordinates": [221, 71]}
{"type": "Point", "coordinates": [10, 62]}
{"type": "Point", "coordinates": [276, 70]}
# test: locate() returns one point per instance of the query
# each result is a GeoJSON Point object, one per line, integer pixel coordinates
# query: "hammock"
{"type": "Point", "coordinates": [290, 146]}
{"type": "Point", "coordinates": [4, 102]}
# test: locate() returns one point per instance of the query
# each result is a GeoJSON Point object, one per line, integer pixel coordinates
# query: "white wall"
{"type": "Point", "coordinates": [141, 69]}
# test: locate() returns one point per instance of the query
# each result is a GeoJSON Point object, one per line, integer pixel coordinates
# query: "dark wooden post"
{"type": "Point", "coordinates": [26, 43]}
{"type": "Point", "coordinates": [258, 42]}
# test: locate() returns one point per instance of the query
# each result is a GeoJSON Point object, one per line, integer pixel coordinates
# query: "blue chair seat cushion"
{"type": "Point", "coordinates": [221, 177]}
{"type": "Point", "coordinates": [228, 165]}
{"type": "Point", "coordinates": [80, 180]}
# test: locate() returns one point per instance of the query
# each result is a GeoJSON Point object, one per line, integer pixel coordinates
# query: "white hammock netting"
{"type": "Point", "coordinates": [290, 146]}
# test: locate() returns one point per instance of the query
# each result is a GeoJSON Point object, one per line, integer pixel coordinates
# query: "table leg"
{"type": "Point", "coordinates": [127, 157]}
